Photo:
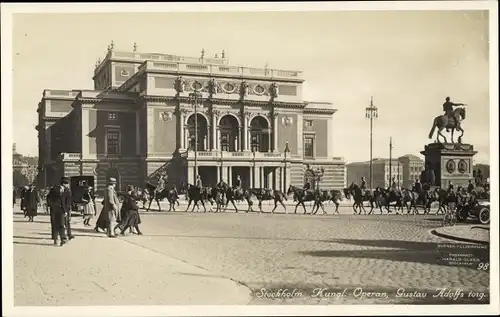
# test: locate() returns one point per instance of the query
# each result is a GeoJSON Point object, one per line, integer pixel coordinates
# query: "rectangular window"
{"type": "Point", "coordinates": [308, 123]}
{"type": "Point", "coordinates": [309, 147]}
{"type": "Point", "coordinates": [111, 115]}
{"type": "Point", "coordinates": [112, 141]}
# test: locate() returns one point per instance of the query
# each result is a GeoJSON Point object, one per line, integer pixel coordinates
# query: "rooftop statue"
{"type": "Point", "coordinates": [450, 121]}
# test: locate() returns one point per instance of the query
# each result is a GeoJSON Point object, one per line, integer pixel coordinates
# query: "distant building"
{"type": "Point", "coordinates": [405, 170]}
{"type": "Point", "coordinates": [23, 169]}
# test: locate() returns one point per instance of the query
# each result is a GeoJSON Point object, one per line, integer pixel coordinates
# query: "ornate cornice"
{"type": "Point", "coordinates": [153, 98]}
{"type": "Point", "coordinates": [320, 111]}
{"type": "Point", "coordinates": [97, 100]}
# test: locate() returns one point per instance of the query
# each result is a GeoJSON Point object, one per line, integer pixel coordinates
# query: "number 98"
{"type": "Point", "coordinates": [483, 266]}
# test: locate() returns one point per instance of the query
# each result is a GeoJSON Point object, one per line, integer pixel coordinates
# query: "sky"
{"type": "Point", "coordinates": [409, 61]}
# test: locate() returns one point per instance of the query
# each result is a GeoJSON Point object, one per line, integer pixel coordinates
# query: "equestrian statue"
{"type": "Point", "coordinates": [450, 121]}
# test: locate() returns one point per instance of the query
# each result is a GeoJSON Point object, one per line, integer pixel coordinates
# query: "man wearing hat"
{"type": "Point", "coordinates": [59, 201]}
{"type": "Point", "coordinates": [111, 207]}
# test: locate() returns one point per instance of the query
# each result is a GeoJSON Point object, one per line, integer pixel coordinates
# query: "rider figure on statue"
{"type": "Point", "coordinates": [448, 109]}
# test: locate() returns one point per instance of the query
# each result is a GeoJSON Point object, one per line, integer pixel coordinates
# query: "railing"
{"type": "Point", "coordinates": [210, 69]}
{"type": "Point", "coordinates": [247, 155]}
{"type": "Point", "coordinates": [69, 156]}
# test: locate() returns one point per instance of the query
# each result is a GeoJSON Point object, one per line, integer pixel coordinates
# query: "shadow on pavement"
{"type": "Point", "coordinates": [26, 221]}
{"type": "Point", "coordinates": [404, 251]}
{"type": "Point", "coordinates": [77, 235]}
{"type": "Point", "coordinates": [33, 243]}
{"type": "Point", "coordinates": [31, 238]}
{"type": "Point", "coordinates": [235, 238]}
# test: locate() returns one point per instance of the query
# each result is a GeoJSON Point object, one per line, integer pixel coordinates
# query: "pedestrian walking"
{"type": "Point", "coordinates": [59, 202]}
{"type": "Point", "coordinates": [32, 200]}
{"type": "Point", "coordinates": [14, 196]}
{"type": "Point", "coordinates": [132, 217]}
{"type": "Point", "coordinates": [23, 199]}
{"type": "Point", "coordinates": [89, 205]}
{"type": "Point", "coordinates": [101, 222]}
{"type": "Point", "coordinates": [111, 208]}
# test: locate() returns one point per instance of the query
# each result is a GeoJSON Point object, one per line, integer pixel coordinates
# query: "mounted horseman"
{"type": "Point", "coordinates": [450, 121]}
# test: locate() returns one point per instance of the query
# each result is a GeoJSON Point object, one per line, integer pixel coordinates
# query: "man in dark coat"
{"type": "Point", "coordinates": [59, 201]}
{"type": "Point", "coordinates": [32, 201]}
{"type": "Point", "coordinates": [24, 190]}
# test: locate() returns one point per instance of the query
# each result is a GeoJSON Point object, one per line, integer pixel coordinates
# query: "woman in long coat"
{"type": "Point", "coordinates": [102, 222]}
{"type": "Point", "coordinates": [131, 212]}
{"type": "Point", "coordinates": [88, 207]}
{"type": "Point", "coordinates": [32, 201]}
{"type": "Point", "coordinates": [23, 197]}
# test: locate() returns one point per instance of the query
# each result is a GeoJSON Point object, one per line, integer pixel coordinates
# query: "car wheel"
{"type": "Point", "coordinates": [484, 216]}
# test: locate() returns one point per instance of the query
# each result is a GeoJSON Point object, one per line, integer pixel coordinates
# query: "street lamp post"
{"type": "Point", "coordinates": [371, 113]}
{"type": "Point", "coordinates": [195, 96]}
{"type": "Point", "coordinates": [287, 150]}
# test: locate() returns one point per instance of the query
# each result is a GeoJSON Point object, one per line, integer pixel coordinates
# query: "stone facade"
{"type": "Point", "coordinates": [140, 122]}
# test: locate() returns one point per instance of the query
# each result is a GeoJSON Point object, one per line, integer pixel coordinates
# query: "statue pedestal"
{"type": "Point", "coordinates": [450, 162]}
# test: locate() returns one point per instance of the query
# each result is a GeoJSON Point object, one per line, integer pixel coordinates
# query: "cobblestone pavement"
{"type": "Point", "coordinates": [300, 254]}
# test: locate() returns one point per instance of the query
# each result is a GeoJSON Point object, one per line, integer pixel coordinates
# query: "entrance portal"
{"type": "Point", "coordinates": [208, 175]}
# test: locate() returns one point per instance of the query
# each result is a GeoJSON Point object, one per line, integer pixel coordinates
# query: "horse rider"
{"type": "Point", "coordinates": [237, 186]}
{"type": "Point", "coordinates": [307, 185]}
{"type": "Point", "coordinates": [417, 187]}
{"type": "Point", "coordinates": [161, 183]}
{"type": "Point", "coordinates": [470, 187]}
{"type": "Point", "coordinates": [199, 184]}
{"type": "Point", "coordinates": [448, 108]}
{"type": "Point", "coordinates": [450, 187]}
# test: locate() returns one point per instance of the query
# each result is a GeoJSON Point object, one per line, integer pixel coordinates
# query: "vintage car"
{"type": "Point", "coordinates": [480, 210]}
{"type": "Point", "coordinates": [77, 186]}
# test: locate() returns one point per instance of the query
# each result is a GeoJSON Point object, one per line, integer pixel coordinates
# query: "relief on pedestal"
{"type": "Point", "coordinates": [450, 166]}
{"type": "Point", "coordinates": [463, 166]}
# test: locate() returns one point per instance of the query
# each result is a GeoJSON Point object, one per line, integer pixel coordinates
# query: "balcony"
{"type": "Point", "coordinates": [245, 155]}
{"type": "Point", "coordinates": [69, 157]}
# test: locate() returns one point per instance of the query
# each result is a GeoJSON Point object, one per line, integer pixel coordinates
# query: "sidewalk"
{"type": "Point", "coordinates": [94, 270]}
{"type": "Point", "coordinates": [465, 233]}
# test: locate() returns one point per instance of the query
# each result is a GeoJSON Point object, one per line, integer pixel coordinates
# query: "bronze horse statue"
{"type": "Point", "coordinates": [446, 122]}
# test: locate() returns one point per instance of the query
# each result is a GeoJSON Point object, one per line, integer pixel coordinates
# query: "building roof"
{"type": "Point", "coordinates": [411, 157]}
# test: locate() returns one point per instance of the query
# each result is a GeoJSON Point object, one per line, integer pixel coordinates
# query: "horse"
{"type": "Point", "coordinates": [453, 123]}
{"type": "Point", "coordinates": [213, 194]}
{"type": "Point", "coordinates": [263, 194]}
{"type": "Point", "coordinates": [194, 195]}
{"type": "Point", "coordinates": [334, 196]}
{"type": "Point", "coordinates": [323, 197]}
{"type": "Point", "coordinates": [303, 195]}
{"type": "Point", "coordinates": [233, 194]}
{"type": "Point", "coordinates": [359, 198]}
{"type": "Point", "coordinates": [413, 198]}
{"type": "Point", "coordinates": [169, 194]}
{"type": "Point", "coordinates": [438, 195]}
{"type": "Point", "coordinates": [389, 196]}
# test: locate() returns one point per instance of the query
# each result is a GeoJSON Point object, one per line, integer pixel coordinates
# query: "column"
{"type": "Point", "coordinates": [85, 132]}
{"type": "Point", "coordinates": [262, 177]}
{"type": "Point", "coordinates": [182, 138]}
{"type": "Point", "coordinates": [257, 177]}
{"type": "Point", "coordinates": [205, 141]}
{"type": "Point", "coordinates": [281, 179]}
{"type": "Point", "coordinates": [269, 141]}
{"type": "Point", "coordinates": [186, 138]}
{"type": "Point", "coordinates": [275, 132]}
{"type": "Point", "coordinates": [218, 174]}
{"type": "Point", "coordinates": [240, 143]}
{"type": "Point", "coordinates": [245, 133]}
{"type": "Point", "coordinates": [276, 179]}
{"type": "Point", "coordinates": [230, 175]}
{"type": "Point", "coordinates": [249, 138]}
{"type": "Point", "coordinates": [191, 177]}
{"type": "Point", "coordinates": [251, 177]}
{"type": "Point", "coordinates": [137, 133]}
{"type": "Point", "coordinates": [224, 173]}
{"type": "Point", "coordinates": [214, 132]}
